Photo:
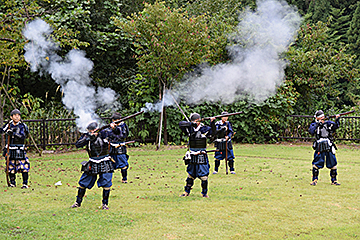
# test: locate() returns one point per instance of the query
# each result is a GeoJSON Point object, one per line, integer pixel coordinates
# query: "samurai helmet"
{"type": "Point", "coordinates": [194, 116]}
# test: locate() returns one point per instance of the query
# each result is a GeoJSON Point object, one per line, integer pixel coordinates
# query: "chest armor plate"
{"type": "Point", "coordinates": [323, 132]}
{"type": "Point", "coordinates": [197, 140]}
{"type": "Point", "coordinates": [99, 147]}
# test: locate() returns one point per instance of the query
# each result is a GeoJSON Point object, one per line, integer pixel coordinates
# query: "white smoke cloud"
{"type": "Point", "coordinates": [168, 101]}
{"type": "Point", "coordinates": [256, 69]}
{"type": "Point", "coordinates": [71, 72]}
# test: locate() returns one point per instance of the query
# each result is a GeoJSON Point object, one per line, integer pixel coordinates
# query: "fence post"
{"type": "Point", "coordinates": [43, 134]}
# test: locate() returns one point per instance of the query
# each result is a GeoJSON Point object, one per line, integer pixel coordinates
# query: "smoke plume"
{"type": "Point", "coordinates": [256, 68]}
{"type": "Point", "coordinates": [72, 73]}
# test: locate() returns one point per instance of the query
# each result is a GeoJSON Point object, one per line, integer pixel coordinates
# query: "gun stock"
{"type": "Point", "coordinates": [215, 150]}
{"type": "Point", "coordinates": [125, 143]}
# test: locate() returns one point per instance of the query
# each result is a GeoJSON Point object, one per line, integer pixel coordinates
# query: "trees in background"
{"type": "Point", "coordinates": [321, 73]}
{"type": "Point", "coordinates": [160, 42]}
{"type": "Point", "coordinates": [354, 34]}
{"type": "Point", "coordinates": [169, 43]}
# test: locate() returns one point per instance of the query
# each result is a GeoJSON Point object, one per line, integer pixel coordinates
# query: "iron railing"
{"type": "Point", "coordinates": [57, 132]}
{"type": "Point", "coordinates": [52, 132]}
{"type": "Point", "coordinates": [298, 125]}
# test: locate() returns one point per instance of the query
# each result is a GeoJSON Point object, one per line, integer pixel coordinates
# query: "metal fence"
{"type": "Point", "coordinates": [298, 125]}
{"type": "Point", "coordinates": [52, 132]}
{"type": "Point", "coordinates": [57, 132]}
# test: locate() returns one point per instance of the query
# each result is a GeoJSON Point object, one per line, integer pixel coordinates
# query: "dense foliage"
{"type": "Point", "coordinates": [138, 48]}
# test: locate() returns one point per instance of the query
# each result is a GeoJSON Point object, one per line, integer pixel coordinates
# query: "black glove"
{"type": "Point", "coordinates": [337, 119]}
{"type": "Point", "coordinates": [193, 124]}
{"type": "Point", "coordinates": [223, 128]}
{"type": "Point", "coordinates": [92, 137]}
{"type": "Point", "coordinates": [10, 132]}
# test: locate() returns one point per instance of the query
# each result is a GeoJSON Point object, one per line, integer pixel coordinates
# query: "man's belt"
{"type": "Point", "coordinates": [19, 147]}
{"type": "Point", "coordinates": [106, 158]}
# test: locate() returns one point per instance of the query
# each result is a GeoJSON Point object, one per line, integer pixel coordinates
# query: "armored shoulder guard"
{"type": "Point", "coordinates": [26, 129]}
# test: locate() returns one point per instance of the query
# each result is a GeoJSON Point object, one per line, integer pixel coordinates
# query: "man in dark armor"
{"type": "Point", "coordinates": [224, 132]}
{"type": "Point", "coordinates": [117, 147]}
{"type": "Point", "coordinates": [324, 146]}
{"type": "Point", "coordinates": [196, 158]}
{"type": "Point", "coordinates": [99, 164]}
{"type": "Point", "coordinates": [18, 161]}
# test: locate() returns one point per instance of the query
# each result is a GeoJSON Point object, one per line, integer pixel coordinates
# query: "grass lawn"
{"type": "Point", "coordinates": [268, 198]}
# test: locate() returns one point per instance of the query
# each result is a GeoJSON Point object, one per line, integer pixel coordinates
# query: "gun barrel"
{"type": "Point", "coordinates": [215, 150]}
{"type": "Point", "coordinates": [120, 120]}
{"type": "Point", "coordinates": [128, 117]}
{"type": "Point", "coordinates": [223, 115]}
{"type": "Point", "coordinates": [341, 114]}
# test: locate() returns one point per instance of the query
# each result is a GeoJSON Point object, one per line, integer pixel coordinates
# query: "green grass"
{"type": "Point", "coordinates": [269, 198]}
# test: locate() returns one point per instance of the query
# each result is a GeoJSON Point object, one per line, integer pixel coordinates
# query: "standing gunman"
{"type": "Point", "coordinates": [117, 146]}
{"type": "Point", "coordinates": [224, 132]}
{"type": "Point", "coordinates": [99, 164]}
{"type": "Point", "coordinates": [197, 160]}
{"type": "Point", "coordinates": [18, 162]}
{"type": "Point", "coordinates": [324, 146]}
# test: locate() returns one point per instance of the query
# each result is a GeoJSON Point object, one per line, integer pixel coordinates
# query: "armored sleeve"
{"type": "Point", "coordinates": [208, 130]}
{"type": "Point", "coordinates": [185, 127]}
{"type": "Point", "coordinates": [123, 130]}
{"type": "Point", "coordinates": [230, 130]}
{"type": "Point", "coordinates": [4, 128]}
{"type": "Point", "coordinates": [212, 128]}
{"type": "Point", "coordinates": [333, 125]}
{"type": "Point", "coordinates": [83, 140]}
{"type": "Point", "coordinates": [126, 130]}
{"type": "Point", "coordinates": [337, 123]}
{"type": "Point", "coordinates": [115, 130]}
{"type": "Point", "coordinates": [312, 128]}
{"type": "Point", "coordinates": [102, 134]}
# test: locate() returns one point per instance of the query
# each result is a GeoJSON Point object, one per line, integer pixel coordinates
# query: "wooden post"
{"type": "Point", "coordinates": [8, 161]}
{"type": "Point", "coordinates": [161, 118]}
{"type": "Point", "coordinates": [226, 156]}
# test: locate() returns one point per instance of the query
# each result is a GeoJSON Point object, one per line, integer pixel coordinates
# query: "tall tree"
{"type": "Point", "coordinates": [319, 72]}
{"type": "Point", "coordinates": [338, 26]}
{"type": "Point", "coordinates": [354, 35]}
{"type": "Point", "coordinates": [168, 42]}
{"type": "Point", "coordinates": [318, 11]}
{"type": "Point", "coordinates": [14, 14]}
{"type": "Point", "coordinates": [302, 5]}
{"type": "Point", "coordinates": [222, 17]}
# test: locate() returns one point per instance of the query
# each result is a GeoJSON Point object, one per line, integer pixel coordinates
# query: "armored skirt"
{"type": "Point", "coordinates": [199, 165]}
{"type": "Point", "coordinates": [18, 161]}
{"type": "Point", "coordinates": [222, 155]}
{"type": "Point", "coordinates": [220, 145]}
{"type": "Point", "coordinates": [118, 153]}
{"type": "Point", "coordinates": [101, 167]}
